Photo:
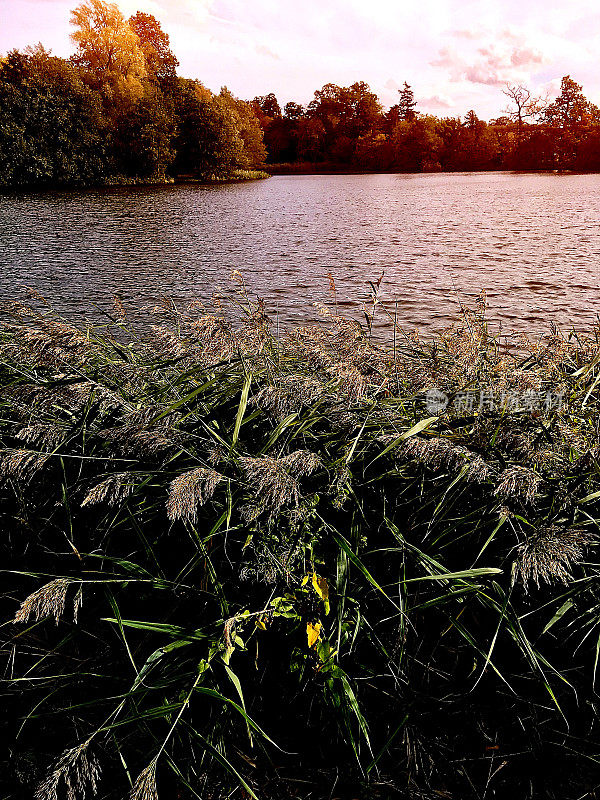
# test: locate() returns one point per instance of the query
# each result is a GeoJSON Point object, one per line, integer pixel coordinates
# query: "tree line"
{"type": "Point", "coordinates": [117, 112]}
{"type": "Point", "coordinates": [347, 126]}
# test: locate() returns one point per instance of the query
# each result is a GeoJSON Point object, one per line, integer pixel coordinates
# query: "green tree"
{"type": "Point", "coordinates": [208, 142]}
{"type": "Point", "coordinates": [345, 113]}
{"type": "Point", "coordinates": [52, 128]}
{"type": "Point", "coordinates": [415, 145]}
{"type": "Point", "coordinates": [144, 136]}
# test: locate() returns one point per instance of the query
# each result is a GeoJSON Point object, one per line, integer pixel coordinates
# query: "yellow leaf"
{"type": "Point", "coordinates": [304, 580]}
{"type": "Point", "coordinates": [313, 632]}
{"type": "Point", "coordinates": [260, 624]}
{"type": "Point", "coordinates": [320, 586]}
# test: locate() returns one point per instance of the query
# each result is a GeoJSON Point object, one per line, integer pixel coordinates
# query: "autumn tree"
{"type": "Point", "coordinates": [311, 139]}
{"type": "Point", "coordinates": [293, 111]}
{"type": "Point", "coordinates": [109, 49]}
{"type": "Point", "coordinates": [161, 64]}
{"type": "Point", "coordinates": [571, 109]}
{"type": "Point", "coordinates": [268, 104]}
{"type": "Point", "coordinates": [570, 118]}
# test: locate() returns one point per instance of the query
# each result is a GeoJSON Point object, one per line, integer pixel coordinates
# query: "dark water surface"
{"type": "Point", "coordinates": [531, 240]}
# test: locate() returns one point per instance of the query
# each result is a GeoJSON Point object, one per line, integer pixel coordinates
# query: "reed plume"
{"type": "Point", "coordinates": [549, 555]}
{"type": "Point", "coordinates": [47, 601]}
{"type": "Point", "coordinates": [76, 770]}
{"type": "Point", "coordinates": [190, 490]}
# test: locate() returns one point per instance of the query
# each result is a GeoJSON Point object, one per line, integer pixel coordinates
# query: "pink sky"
{"type": "Point", "coordinates": [456, 55]}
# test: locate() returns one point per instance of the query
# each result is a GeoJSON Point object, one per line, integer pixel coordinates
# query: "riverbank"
{"type": "Point", "coordinates": [298, 559]}
{"type": "Point", "coordinates": [237, 176]}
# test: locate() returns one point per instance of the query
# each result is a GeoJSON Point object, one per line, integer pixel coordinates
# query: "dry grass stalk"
{"type": "Point", "coordinates": [168, 343]}
{"type": "Point", "coordinates": [291, 394]}
{"type": "Point", "coordinates": [140, 440]}
{"type": "Point", "coordinates": [190, 490]}
{"type": "Point", "coordinates": [42, 434]}
{"type": "Point", "coordinates": [48, 601]}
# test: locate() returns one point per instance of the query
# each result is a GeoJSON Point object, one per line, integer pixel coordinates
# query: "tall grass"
{"type": "Point", "coordinates": [240, 562]}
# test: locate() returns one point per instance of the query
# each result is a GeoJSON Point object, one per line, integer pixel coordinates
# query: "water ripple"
{"type": "Point", "coordinates": [532, 241]}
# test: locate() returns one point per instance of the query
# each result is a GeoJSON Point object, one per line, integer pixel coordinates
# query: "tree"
{"type": "Point", "coordinates": [208, 143]}
{"type": "Point", "coordinates": [415, 145]}
{"type": "Point", "coordinates": [344, 113]}
{"type": "Point", "coordinates": [407, 103]}
{"type": "Point", "coordinates": [161, 64]}
{"type": "Point", "coordinates": [109, 49]}
{"type": "Point", "coordinates": [348, 110]}
{"type": "Point", "coordinates": [268, 104]}
{"type": "Point", "coordinates": [254, 151]}
{"type": "Point", "coordinates": [311, 139]}
{"type": "Point", "coordinates": [293, 111]}
{"type": "Point", "coordinates": [570, 109]}
{"type": "Point", "coordinates": [570, 117]}
{"type": "Point", "coordinates": [52, 129]}
{"type": "Point", "coordinates": [524, 105]}
{"type": "Point", "coordinates": [143, 137]}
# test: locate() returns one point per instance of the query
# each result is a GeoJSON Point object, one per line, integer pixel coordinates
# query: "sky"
{"type": "Point", "coordinates": [455, 54]}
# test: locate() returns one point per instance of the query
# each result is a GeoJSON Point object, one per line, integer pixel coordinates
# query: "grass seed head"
{"type": "Point", "coordinates": [145, 785]}
{"type": "Point", "coordinates": [549, 554]}
{"type": "Point", "coordinates": [518, 484]}
{"type": "Point", "coordinates": [21, 464]}
{"type": "Point", "coordinates": [48, 601]}
{"type": "Point", "coordinates": [190, 490]}
{"type": "Point", "coordinates": [112, 490]}
{"type": "Point", "coordinates": [77, 770]}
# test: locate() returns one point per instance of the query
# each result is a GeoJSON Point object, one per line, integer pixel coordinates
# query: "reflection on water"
{"type": "Point", "coordinates": [532, 241]}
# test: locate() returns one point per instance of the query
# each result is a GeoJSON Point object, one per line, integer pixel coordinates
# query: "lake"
{"type": "Point", "coordinates": [532, 241]}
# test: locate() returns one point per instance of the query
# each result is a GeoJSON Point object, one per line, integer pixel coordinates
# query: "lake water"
{"type": "Point", "coordinates": [532, 241]}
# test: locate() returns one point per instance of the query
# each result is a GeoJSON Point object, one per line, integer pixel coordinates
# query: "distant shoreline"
{"type": "Point", "coordinates": [328, 168]}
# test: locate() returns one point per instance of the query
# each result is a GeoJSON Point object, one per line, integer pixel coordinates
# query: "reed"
{"type": "Point", "coordinates": [246, 562]}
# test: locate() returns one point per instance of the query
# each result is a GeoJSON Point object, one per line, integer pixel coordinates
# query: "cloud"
{"type": "Point", "coordinates": [526, 56]}
{"type": "Point", "coordinates": [465, 34]}
{"type": "Point", "coordinates": [502, 57]}
{"type": "Point", "coordinates": [435, 102]}
{"type": "Point", "coordinates": [262, 50]}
